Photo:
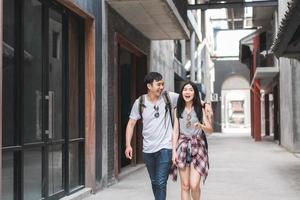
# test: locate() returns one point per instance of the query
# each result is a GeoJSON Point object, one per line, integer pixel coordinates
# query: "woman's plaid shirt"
{"type": "Point", "coordinates": [199, 155]}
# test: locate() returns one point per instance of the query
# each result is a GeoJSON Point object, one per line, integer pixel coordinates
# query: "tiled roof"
{"type": "Point", "coordinates": [287, 27]}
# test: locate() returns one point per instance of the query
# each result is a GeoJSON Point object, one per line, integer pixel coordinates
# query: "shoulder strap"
{"type": "Point", "coordinates": [141, 105]}
{"type": "Point", "coordinates": [167, 100]}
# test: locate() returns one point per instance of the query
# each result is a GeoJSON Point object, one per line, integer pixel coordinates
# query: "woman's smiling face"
{"type": "Point", "coordinates": [188, 93]}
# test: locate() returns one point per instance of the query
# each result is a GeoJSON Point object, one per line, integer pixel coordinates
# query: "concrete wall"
{"type": "Point", "coordinates": [223, 70]}
{"type": "Point", "coordinates": [161, 60]}
{"type": "Point", "coordinates": [289, 95]}
{"type": "Point", "coordinates": [296, 103]}
{"type": "Point", "coordinates": [288, 101]}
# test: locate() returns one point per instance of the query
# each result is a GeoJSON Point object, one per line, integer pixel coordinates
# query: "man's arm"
{"type": "Point", "coordinates": [129, 134]}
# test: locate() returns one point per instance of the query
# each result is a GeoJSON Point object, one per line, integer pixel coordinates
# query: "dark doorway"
{"type": "Point", "coordinates": [132, 67]}
{"type": "Point", "coordinates": [276, 118]}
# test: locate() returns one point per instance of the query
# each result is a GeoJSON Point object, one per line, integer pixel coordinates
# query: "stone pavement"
{"type": "Point", "coordinates": [240, 169]}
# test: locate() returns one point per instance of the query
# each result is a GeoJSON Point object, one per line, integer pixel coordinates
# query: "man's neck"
{"type": "Point", "coordinates": [152, 97]}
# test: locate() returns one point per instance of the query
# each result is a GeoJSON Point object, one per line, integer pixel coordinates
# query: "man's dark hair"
{"type": "Point", "coordinates": [151, 76]}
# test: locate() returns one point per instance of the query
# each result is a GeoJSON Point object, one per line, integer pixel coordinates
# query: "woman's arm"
{"type": "Point", "coordinates": [175, 138]}
{"type": "Point", "coordinates": [207, 123]}
{"type": "Point", "coordinates": [175, 132]}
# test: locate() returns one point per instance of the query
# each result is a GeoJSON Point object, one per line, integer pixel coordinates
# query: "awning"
{"type": "Point", "coordinates": [156, 19]}
{"type": "Point", "coordinates": [287, 43]}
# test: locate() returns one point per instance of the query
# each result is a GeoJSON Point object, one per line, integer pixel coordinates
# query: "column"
{"type": "Point", "coordinates": [193, 63]}
{"type": "Point", "coordinates": [267, 115]}
{"type": "Point", "coordinates": [1, 28]}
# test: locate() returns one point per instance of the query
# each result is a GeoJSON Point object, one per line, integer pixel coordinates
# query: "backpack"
{"type": "Point", "coordinates": [167, 101]}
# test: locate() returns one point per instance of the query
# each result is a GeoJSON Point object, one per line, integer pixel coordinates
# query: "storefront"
{"type": "Point", "coordinates": [43, 113]}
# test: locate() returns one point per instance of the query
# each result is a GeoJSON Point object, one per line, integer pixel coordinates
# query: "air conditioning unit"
{"type": "Point", "coordinates": [214, 97]}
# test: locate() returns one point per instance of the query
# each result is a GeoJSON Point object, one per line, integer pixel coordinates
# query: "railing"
{"type": "Point", "coordinates": [265, 59]}
{"type": "Point", "coordinates": [181, 6]}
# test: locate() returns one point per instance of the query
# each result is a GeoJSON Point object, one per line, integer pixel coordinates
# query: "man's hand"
{"type": "Point", "coordinates": [128, 152]}
{"type": "Point", "coordinates": [129, 132]}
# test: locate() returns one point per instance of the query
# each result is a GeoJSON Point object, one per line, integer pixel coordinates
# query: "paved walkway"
{"type": "Point", "coordinates": [241, 169]}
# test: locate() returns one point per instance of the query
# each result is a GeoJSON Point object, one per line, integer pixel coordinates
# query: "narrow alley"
{"type": "Point", "coordinates": [77, 75]}
{"type": "Point", "coordinates": [239, 170]}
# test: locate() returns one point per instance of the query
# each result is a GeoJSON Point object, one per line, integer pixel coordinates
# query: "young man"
{"type": "Point", "coordinates": [157, 132]}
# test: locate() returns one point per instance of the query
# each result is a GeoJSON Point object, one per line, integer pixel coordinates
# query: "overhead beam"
{"type": "Point", "coordinates": [242, 4]}
{"type": "Point", "coordinates": [226, 19]}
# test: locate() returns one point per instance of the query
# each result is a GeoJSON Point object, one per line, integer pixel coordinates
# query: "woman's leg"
{"type": "Point", "coordinates": [195, 183]}
{"type": "Point", "coordinates": [185, 183]}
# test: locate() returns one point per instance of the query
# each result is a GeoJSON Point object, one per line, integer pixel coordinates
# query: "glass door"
{"type": "Point", "coordinates": [55, 96]}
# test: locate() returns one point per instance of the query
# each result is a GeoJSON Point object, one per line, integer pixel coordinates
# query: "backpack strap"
{"type": "Point", "coordinates": [167, 100]}
{"type": "Point", "coordinates": [142, 105]}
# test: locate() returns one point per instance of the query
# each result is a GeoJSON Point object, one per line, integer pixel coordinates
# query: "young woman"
{"type": "Point", "coordinates": [189, 145]}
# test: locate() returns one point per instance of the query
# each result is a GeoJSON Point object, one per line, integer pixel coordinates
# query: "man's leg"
{"type": "Point", "coordinates": [163, 165]}
{"type": "Point", "coordinates": [151, 167]}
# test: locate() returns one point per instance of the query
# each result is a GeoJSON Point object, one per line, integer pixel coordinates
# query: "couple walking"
{"type": "Point", "coordinates": [174, 127]}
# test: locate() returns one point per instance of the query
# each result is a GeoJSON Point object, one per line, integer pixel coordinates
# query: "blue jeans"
{"type": "Point", "coordinates": [158, 165]}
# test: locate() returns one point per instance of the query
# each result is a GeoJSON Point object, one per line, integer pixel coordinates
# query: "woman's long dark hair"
{"type": "Point", "coordinates": [196, 102]}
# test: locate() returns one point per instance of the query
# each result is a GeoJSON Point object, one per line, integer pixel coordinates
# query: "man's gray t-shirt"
{"type": "Point", "coordinates": [157, 132]}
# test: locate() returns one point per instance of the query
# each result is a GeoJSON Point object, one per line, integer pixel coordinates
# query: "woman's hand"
{"type": "Point", "coordinates": [198, 125]}
{"type": "Point", "coordinates": [174, 157]}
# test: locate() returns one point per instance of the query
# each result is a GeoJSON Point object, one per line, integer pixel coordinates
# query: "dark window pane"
{"type": "Point", "coordinates": [7, 176]}
{"type": "Point", "coordinates": [55, 169]}
{"type": "Point", "coordinates": [75, 165]}
{"type": "Point", "coordinates": [32, 99]}
{"type": "Point", "coordinates": [73, 78]}
{"type": "Point", "coordinates": [8, 73]}
{"type": "Point", "coordinates": [32, 174]}
{"type": "Point", "coordinates": [55, 44]}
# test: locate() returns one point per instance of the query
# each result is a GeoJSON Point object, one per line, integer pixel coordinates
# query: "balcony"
{"type": "Point", "coordinates": [156, 19]}
{"type": "Point", "coordinates": [266, 68]}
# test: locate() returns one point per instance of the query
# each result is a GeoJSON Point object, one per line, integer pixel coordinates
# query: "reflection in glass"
{"type": "Point", "coordinates": [55, 169]}
{"type": "Point", "coordinates": [8, 73]}
{"type": "Point", "coordinates": [74, 165]}
{"type": "Point", "coordinates": [32, 174]}
{"type": "Point", "coordinates": [73, 78]}
{"type": "Point", "coordinates": [55, 71]}
{"type": "Point", "coordinates": [32, 82]}
{"type": "Point", "coordinates": [7, 176]}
